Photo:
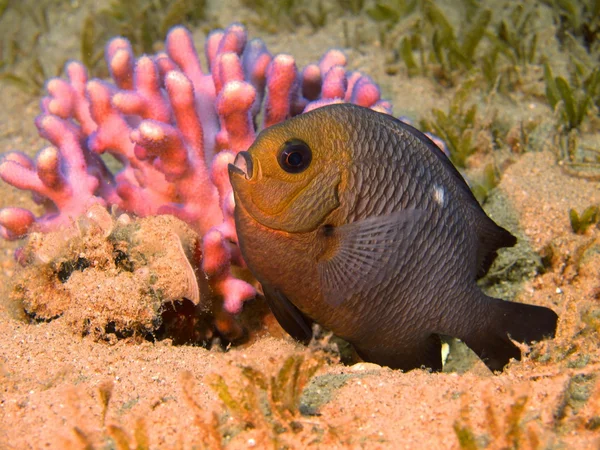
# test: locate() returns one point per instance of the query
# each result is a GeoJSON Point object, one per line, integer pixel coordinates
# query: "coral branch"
{"type": "Point", "coordinates": [282, 88]}
{"type": "Point", "coordinates": [15, 222]}
{"type": "Point", "coordinates": [68, 99]}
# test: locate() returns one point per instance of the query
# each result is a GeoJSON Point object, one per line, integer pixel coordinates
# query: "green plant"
{"type": "Point", "coordinates": [457, 126]}
{"type": "Point", "coordinates": [37, 13]}
{"type": "Point", "coordinates": [32, 80]}
{"type": "Point", "coordinates": [211, 436]}
{"type": "Point", "coordinates": [3, 7]}
{"type": "Point", "coordinates": [112, 435]}
{"type": "Point", "coordinates": [389, 12]}
{"type": "Point", "coordinates": [142, 22]}
{"type": "Point", "coordinates": [465, 436]}
{"type": "Point", "coordinates": [577, 18]}
{"type": "Point", "coordinates": [488, 181]}
{"type": "Point", "coordinates": [508, 432]}
{"type": "Point", "coordinates": [270, 404]}
{"type": "Point", "coordinates": [512, 49]}
{"type": "Point", "coordinates": [272, 16]}
{"type": "Point", "coordinates": [515, 36]}
{"type": "Point", "coordinates": [575, 99]}
{"type": "Point", "coordinates": [23, 26]}
{"type": "Point", "coordinates": [450, 50]}
{"type": "Point", "coordinates": [354, 6]}
{"type": "Point", "coordinates": [589, 216]}
{"type": "Point", "coordinates": [426, 41]}
{"type": "Point", "coordinates": [91, 52]}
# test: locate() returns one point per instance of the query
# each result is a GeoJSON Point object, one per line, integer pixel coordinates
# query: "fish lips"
{"type": "Point", "coordinates": [242, 166]}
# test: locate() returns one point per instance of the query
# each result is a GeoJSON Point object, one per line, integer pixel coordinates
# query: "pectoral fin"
{"type": "Point", "coordinates": [289, 317]}
{"type": "Point", "coordinates": [361, 251]}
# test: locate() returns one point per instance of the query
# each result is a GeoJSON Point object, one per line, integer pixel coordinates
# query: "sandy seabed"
{"type": "Point", "coordinates": [61, 390]}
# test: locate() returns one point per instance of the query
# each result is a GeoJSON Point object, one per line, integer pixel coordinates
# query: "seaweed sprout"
{"type": "Point", "coordinates": [389, 12]}
{"type": "Point", "coordinates": [576, 101]}
{"type": "Point", "coordinates": [3, 7]}
{"type": "Point", "coordinates": [122, 441]}
{"type": "Point", "coordinates": [581, 223]}
{"type": "Point", "coordinates": [142, 22]}
{"type": "Point", "coordinates": [573, 99]}
{"type": "Point", "coordinates": [580, 391]}
{"type": "Point", "coordinates": [457, 126]}
{"type": "Point", "coordinates": [105, 391]}
{"type": "Point", "coordinates": [272, 16]}
{"type": "Point", "coordinates": [519, 137]}
{"type": "Point", "coordinates": [507, 432]}
{"type": "Point", "coordinates": [451, 50]}
{"type": "Point", "coordinates": [432, 37]}
{"type": "Point", "coordinates": [269, 404]}
{"type": "Point", "coordinates": [515, 36]}
{"type": "Point", "coordinates": [354, 6]}
{"type": "Point", "coordinates": [211, 436]}
{"type": "Point", "coordinates": [112, 435]}
{"type": "Point", "coordinates": [577, 18]}
{"type": "Point", "coordinates": [488, 181]}
{"type": "Point", "coordinates": [32, 80]}
{"type": "Point", "coordinates": [591, 318]}
{"type": "Point", "coordinates": [421, 35]}
{"type": "Point", "coordinates": [514, 41]}
{"type": "Point", "coordinates": [23, 26]}
{"type": "Point", "coordinates": [36, 12]}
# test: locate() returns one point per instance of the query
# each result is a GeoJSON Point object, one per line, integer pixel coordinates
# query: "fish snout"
{"type": "Point", "coordinates": [242, 165]}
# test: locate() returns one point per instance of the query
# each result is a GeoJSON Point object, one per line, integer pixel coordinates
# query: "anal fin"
{"type": "Point", "coordinates": [289, 317]}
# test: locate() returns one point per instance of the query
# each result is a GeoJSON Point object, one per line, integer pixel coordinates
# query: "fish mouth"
{"type": "Point", "coordinates": [242, 165]}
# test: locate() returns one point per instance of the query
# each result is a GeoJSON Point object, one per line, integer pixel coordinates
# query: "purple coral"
{"type": "Point", "coordinates": [174, 127]}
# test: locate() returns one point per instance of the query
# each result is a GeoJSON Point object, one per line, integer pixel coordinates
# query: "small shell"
{"type": "Point", "coordinates": [365, 367]}
{"type": "Point", "coordinates": [123, 219]}
{"type": "Point", "coordinates": [191, 288]}
{"type": "Point", "coordinates": [99, 216]}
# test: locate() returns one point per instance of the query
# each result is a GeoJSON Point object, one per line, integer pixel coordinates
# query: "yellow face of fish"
{"type": "Point", "coordinates": [289, 178]}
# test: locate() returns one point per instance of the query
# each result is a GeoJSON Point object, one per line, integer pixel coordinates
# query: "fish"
{"type": "Point", "coordinates": [356, 221]}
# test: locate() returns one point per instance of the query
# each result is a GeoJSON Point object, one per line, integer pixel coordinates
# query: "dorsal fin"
{"type": "Point", "coordinates": [441, 156]}
{"type": "Point", "coordinates": [492, 237]}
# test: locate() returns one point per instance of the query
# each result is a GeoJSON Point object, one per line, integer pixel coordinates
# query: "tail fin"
{"type": "Point", "coordinates": [506, 321]}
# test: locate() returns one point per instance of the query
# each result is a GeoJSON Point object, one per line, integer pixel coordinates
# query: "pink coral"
{"type": "Point", "coordinates": [174, 127]}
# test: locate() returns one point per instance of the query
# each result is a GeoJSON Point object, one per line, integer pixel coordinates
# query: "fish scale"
{"type": "Point", "coordinates": [372, 233]}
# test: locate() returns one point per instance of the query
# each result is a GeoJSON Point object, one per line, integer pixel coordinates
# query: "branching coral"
{"type": "Point", "coordinates": [174, 127]}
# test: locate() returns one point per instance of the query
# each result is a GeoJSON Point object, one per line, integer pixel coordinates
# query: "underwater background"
{"type": "Point", "coordinates": [512, 89]}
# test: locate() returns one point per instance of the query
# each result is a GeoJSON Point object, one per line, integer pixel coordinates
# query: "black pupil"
{"type": "Point", "coordinates": [295, 156]}
{"type": "Point", "coordinates": [294, 159]}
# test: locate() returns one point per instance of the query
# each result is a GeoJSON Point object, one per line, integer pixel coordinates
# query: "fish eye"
{"type": "Point", "coordinates": [295, 156]}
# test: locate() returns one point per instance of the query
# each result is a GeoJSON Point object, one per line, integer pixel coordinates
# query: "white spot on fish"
{"type": "Point", "coordinates": [439, 195]}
